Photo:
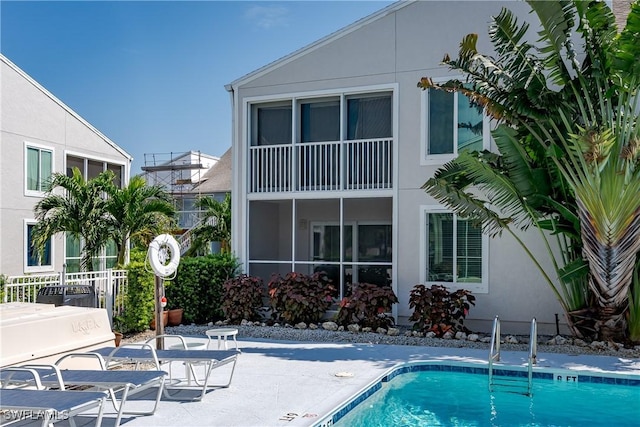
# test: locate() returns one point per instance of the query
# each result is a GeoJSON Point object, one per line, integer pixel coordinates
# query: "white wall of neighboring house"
{"type": "Point", "coordinates": [31, 117]}
{"type": "Point", "coordinates": [388, 51]}
{"type": "Point", "coordinates": [175, 170]}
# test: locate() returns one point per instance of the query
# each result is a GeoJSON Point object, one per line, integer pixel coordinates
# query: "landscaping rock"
{"type": "Point", "coordinates": [330, 326]}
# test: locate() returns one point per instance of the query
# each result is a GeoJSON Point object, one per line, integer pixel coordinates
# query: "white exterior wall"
{"type": "Point", "coordinates": [31, 115]}
{"type": "Point", "coordinates": [396, 50]}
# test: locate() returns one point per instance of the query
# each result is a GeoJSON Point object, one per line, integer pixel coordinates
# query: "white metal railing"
{"type": "Point", "coordinates": [494, 352]}
{"type": "Point", "coordinates": [368, 164]}
{"type": "Point", "coordinates": [322, 166]}
{"type": "Point", "coordinates": [110, 287]}
{"type": "Point", "coordinates": [318, 166]}
{"type": "Point", "coordinates": [270, 168]}
{"type": "Point", "coordinates": [186, 239]}
{"type": "Point", "coordinates": [533, 352]}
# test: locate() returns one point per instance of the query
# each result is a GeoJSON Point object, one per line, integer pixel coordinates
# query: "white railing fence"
{"type": "Point", "coordinates": [322, 166]}
{"type": "Point", "coordinates": [110, 287]}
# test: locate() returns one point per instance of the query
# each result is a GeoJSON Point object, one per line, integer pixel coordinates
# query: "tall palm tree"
{"type": "Point", "coordinates": [138, 212]}
{"type": "Point", "coordinates": [570, 116]}
{"type": "Point", "coordinates": [79, 211]}
{"type": "Point", "coordinates": [215, 225]}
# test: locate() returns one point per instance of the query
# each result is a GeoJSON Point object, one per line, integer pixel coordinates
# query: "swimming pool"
{"type": "Point", "coordinates": [446, 395]}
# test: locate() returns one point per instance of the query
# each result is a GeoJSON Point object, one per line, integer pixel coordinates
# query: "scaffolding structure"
{"type": "Point", "coordinates": [179, 174]}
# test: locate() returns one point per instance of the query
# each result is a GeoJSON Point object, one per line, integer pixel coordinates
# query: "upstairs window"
{"type": "Point", "coordinates": [369, 117]}
{"type": "Point", "coordinates": [38, 169]}
{"type": "Point", "coordinates": [272, 124]}
{"type": "Point", "coordinates": [320, 121]}
{"type": "Point", "coordinates": [453, 124]}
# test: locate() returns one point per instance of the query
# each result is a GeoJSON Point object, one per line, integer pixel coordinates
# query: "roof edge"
{"type": "Point", "coordinates": [318, 43]}
{"type": "Point", "coordinates": [64, 106]}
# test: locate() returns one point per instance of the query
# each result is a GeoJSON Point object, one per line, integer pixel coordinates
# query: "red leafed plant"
{"type": "Point", "coordinates": [242, 298]}
{"type": "Point", "coordinates": [368, 306]}
{"type": "Point", "coordinates": [438, 310]}
{"type": "Point", "coordinates": [299, 297]}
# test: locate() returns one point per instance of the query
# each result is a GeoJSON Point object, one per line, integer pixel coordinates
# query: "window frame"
{"type": "Point", "coordinates": [29, 145]}
{"type": "Point", "coordinates": [476, 288]}
{"type": "Point", "coordinates": [254, 134]}
{"type": "Point", "coordinates": [107, 164]}
{"type": "Point", "coordinates": [27, 244]}
{"type": "Point", "coordinates": [437, 159]}
{"type": "Point", "coordinates": [298, 123]}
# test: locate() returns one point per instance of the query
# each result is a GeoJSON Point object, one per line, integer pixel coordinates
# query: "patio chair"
{"type": "Point", "coordinates": [124, 383]}
{"type": "Point", "coordinates": [146, 353]}
{"type": "Point", "coordinates": [49, 405]}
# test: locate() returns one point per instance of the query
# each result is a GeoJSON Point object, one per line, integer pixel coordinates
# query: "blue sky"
{"type": "Point", "coordinates": [151, 75]}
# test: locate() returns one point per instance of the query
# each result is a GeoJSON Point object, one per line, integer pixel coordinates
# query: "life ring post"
{"type": "Point", "coordinates": [159, 293]}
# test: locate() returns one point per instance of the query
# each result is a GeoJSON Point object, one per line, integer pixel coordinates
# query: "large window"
{"type": "Point", "coordinates": [370, 262]}
{"type": "Point", "coordinates": [272, 124]}
{"type": "Point", "coordinates": [320, 121]}
{"type": "Point", "coordinates": [91, 168]}
{"type": "Point", "coordinates": [452, 124]}
{"type": "Point", "coordinates": [366, 116]}
{"type": "Point", "coordinates": [33, 261]}
{"type": "Point", "coordinates": [455, 251]}
{"type": "Point", "coordinates": [369, 117]}
{"type": "Point", "coordinates": [73, 255]}
{"type": "Point", "coordinates": [38, 169]}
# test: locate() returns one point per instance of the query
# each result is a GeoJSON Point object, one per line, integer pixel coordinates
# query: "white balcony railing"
{"type": "Point", "coordinates": [324, 166]}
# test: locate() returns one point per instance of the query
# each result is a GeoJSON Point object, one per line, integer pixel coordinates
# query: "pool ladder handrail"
{"type": "Point", "coordinates": [533, 352]}
{"type": "Point", "coordinates": [494, 351]}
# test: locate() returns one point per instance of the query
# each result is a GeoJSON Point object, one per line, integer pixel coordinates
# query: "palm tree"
{"type": "Point", "coordinates": [215, 225]}
{"type": "Point", "coordinates": [138, 212]}
{"type": "Point", "coordinates": [568, 133]}
{"type": "Point", "coordinates": [79, 211]}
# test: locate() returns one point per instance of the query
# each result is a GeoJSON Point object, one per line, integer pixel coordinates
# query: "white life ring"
{"type": "Point", "coordinates": [164, 255]}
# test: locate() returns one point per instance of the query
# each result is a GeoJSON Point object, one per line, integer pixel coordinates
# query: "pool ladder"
{"type": "Point", "coordinates": [494, 356]}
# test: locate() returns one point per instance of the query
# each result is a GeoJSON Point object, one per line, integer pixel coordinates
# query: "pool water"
{"type": "Point", "coordinates": [433, 398]}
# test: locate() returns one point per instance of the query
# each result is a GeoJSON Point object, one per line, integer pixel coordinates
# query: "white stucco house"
{"type": "Point", "coordinates": [180, 174]}
{"type": "Point", "coordinates": [41, 136]}
{"type": "Point", "coordinates": [331, 145]}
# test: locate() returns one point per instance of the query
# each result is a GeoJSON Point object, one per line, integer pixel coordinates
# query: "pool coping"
{"type": "Point", "coordinates": [499, 370]}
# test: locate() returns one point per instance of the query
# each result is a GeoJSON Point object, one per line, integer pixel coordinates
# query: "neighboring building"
{"type": "Point", "coordinates": [331, 145]}
{"type": "Point", "coordinates": [179, 174]}
{"type": "Point", "coordinates": [216, 182]}
{"type": "Point", "coordinates": [42, 136]}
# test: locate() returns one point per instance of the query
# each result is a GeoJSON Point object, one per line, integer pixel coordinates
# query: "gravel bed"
{"type": "Point", "coordinates": [564, 345]}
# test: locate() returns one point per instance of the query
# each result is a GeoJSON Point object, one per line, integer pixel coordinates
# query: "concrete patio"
{"type": "Point", "coordinates": [278, 383]}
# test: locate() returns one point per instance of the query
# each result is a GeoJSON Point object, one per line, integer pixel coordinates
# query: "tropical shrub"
{"type": "Point", "coordinates": [299, 298]}
{"type": "Point", "coordinates": [197, 287]}
{"type": "Point", "coordinates": [368, 305]}
{"type": "Point", "coordinates": [438, 310]}
{"type": "Point", "coordinates": [242, 298]}
{"type": "Point", "coordinates": [139, 299]}
{"type": "Point", "coordinates": [568, 133]}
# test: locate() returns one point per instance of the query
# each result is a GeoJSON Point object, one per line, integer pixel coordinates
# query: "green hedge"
{"type": "Point", "coordinates": [139, 304]}
{"type": "Point", "coordinates": [197, 287]}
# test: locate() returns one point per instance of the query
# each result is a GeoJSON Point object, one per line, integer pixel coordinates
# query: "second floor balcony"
{"type": "Point", "coordinates": [322, 166]}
